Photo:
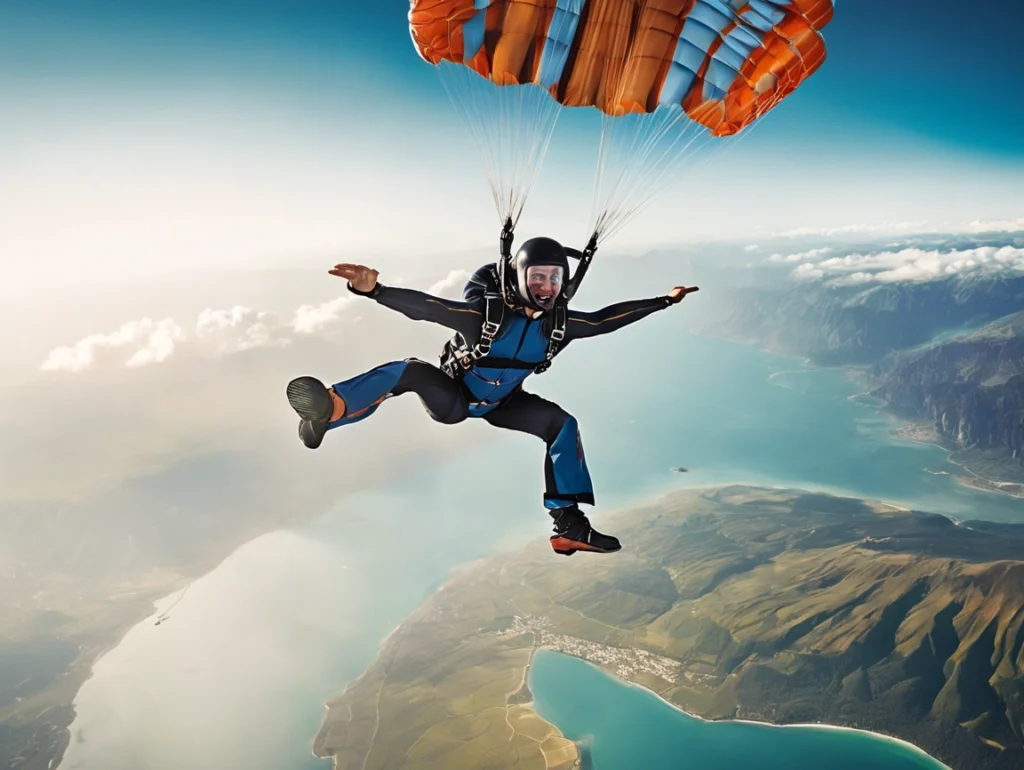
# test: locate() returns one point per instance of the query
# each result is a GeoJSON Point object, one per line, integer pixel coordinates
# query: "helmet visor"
{"type": "Point", "coordinates": [544, 282]}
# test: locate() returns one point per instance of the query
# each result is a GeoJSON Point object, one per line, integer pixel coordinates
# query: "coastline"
{"type": "Point", "coordinates": [811, 725]}
{"type": "Point", "coordinates": [921, 433]}
{"type": "Point", "coordinates": [572, 757]}
{"type": "Point", "coordinates": [116, 614]}
{"type": "Point", "coordinates": [530, 702]}
{"type": "Point", "coordinates": [316, 744]}
{"type": "Point", "coordinates": [61, 712]}
{"type": "Point", "coordinates": [914, 431]}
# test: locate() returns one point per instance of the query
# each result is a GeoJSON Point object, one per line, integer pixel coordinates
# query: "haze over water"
{"type": "Point", "coordinates": [237, 676]}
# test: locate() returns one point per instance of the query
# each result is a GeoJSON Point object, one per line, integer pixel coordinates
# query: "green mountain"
{"type": "Point", "coordinates": [773, 605]}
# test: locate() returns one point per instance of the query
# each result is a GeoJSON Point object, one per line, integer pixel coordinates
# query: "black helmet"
{"type": "Point", "coordinates": [537, 252]}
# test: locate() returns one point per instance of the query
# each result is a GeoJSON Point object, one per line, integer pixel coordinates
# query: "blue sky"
{"type": "Point", "coordinates": [945, 72]}
{"type": "Point", "coordinates": [913, 116]}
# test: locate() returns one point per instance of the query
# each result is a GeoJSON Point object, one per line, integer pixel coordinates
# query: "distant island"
{"type": "Point", "coordinates": [737, 602]}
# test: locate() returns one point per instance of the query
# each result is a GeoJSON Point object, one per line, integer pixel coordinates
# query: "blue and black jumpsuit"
{"type": "Point", "coordinates": [492, 389]}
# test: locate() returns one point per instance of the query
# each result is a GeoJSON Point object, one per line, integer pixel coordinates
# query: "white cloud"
{"type": "Point", "coordinates": [944, 226]}
{"type": "Point", "coordinates": [991, 226]}
{"type": "Point", "coordinates": [238, 329]}
{"type": "Point", "coordinates": [159, 346]}
{"type": "Point", "coordinates": [807, 271]}
{"type": "Point", "coordinates": [751, 247]}
{"type": "Point", "coordinates": [451, 285]}
{"type": "Point", "coordinates": [802, 256]}
{"type": "Point", "coordinates": [211, 320]}
{"type": "Point", "coordinates": [912, 264]}
{"type": "Point", "coordinates": [312, 318]}
{"type": "Point", "coordinates": [220, 332]}
{"type": "Point", "coordinates": [883, 227]}
{"type": "Point", "coordinates": [155, 341]}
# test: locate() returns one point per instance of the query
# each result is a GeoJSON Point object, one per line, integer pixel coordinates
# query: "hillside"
{"type": "Point", "coordinates": [779, 606]}
{"type": "Point", "coordinates": [970, 388]}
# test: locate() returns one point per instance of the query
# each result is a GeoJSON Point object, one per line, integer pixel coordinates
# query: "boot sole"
{"type": "Point", "coordinates": [567, 547]}
{"type": "Point", "coordinates": [310, 399]}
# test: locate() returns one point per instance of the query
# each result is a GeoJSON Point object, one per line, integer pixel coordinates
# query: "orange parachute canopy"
{"type": "Point", "coordinates": [725, 62]}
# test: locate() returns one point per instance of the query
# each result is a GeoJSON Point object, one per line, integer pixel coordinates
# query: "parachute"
{"type": "Point", "coordinates": [662, 73]}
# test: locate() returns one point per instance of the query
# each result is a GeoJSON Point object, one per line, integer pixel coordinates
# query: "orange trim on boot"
{"type": "Point", "coordinates": [564, 544]}
{"type": "Point", "coordinates": [339, 405]}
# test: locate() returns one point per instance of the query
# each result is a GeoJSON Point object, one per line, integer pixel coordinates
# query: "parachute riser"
{"type": "Point", "coordinates": [505, 263]}
{"type": "Point", "coordinates": [585, 258]}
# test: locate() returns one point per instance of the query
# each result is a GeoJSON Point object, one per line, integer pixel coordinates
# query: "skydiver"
{"type": "Point", "coordinates": [485, 364]}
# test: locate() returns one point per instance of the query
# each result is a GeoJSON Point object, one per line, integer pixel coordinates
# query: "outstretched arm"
{"type": "Point", "coordinates": [621, 314]}
{"type": "Point", "coordinates": [417, 305]}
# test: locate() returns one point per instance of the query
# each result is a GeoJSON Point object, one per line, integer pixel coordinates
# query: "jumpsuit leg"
{"type": "Point", "coordinates": [566, 478]}
{"type": "Point", "coordinates": [440, 394]}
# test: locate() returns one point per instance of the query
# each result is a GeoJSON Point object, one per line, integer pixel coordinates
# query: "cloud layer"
{"type": "Point", "coordinates": [967, 228]}
{"type": "Point", "coordinates": [215, 332]}
{"type": "Point", "coordinates": [904, 265]}
{"type": "Point", "coordinates": [451, 285]}
{"type": "Point", "coordinates": [147, 340]}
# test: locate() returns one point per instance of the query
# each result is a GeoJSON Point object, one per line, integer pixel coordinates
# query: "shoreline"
{"type": "Point", "coordinates": [807, 725]}
{"type": "Point", "coordinates": [327, 703]}
{"type": "Point", "coordinates": [82, 669]}
{"type": "Point", "coordinates": [914, 431]}
{"type": "Point", "coordinates": [920, 433]}
{"type": "Point", "coordinates": [624, 510]}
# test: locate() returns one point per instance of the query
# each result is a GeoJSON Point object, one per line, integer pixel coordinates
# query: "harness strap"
{"type": "Point", "coordinates": [559, 321]}
{"type": "Point", "coordinates": [490, 362]}
{"type": "Point", "coordinates": [458, 357]}
{"type": "Point", "coordinates": [493, 311]}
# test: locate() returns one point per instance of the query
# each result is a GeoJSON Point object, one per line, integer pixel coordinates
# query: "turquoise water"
{"type": "Point", "coordinates": [238, 675]}
{"type": "Point", "coordinates": [622, 727]}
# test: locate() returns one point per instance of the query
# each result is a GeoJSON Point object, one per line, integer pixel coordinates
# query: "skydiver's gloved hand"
{"type": "Point", "coordinates": [677, 294]}
{"type": "Point", "coordinates": [361, 279]}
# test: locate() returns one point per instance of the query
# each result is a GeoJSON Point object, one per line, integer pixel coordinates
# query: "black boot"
{"type": "Point", "coordinates": [573, 533]}
{"type": "Point", "coordinates": [311, 399]}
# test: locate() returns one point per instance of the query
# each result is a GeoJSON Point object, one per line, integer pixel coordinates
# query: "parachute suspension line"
{"type": "Point", "coordinates": [637, 155]}
{"type": "Point", "coordinates": [641, 160]}
{"type": "Point", "coordinates": [644, 162]}
{"type": "Point", "coordinates": [645, 187]}
{"type": "Point", "coordinates": [512, 127]}
{"type": "Point", "coordinates": [468, 109]}
{"type": "Point", "coordinates": [527, 148]}
{"type": "Point", "coordinates": [701, 158]}
{"type": "Point", "coordinates": [633, 151]}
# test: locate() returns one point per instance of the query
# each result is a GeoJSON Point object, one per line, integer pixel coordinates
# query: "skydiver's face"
{"type": "Point", "coordinates": [544, 284]}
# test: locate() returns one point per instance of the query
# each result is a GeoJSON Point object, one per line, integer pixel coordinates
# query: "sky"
{"type": "Point", "coordinates": [154, 138]}
{"type": "Point", "coordinates": [177, 178]}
